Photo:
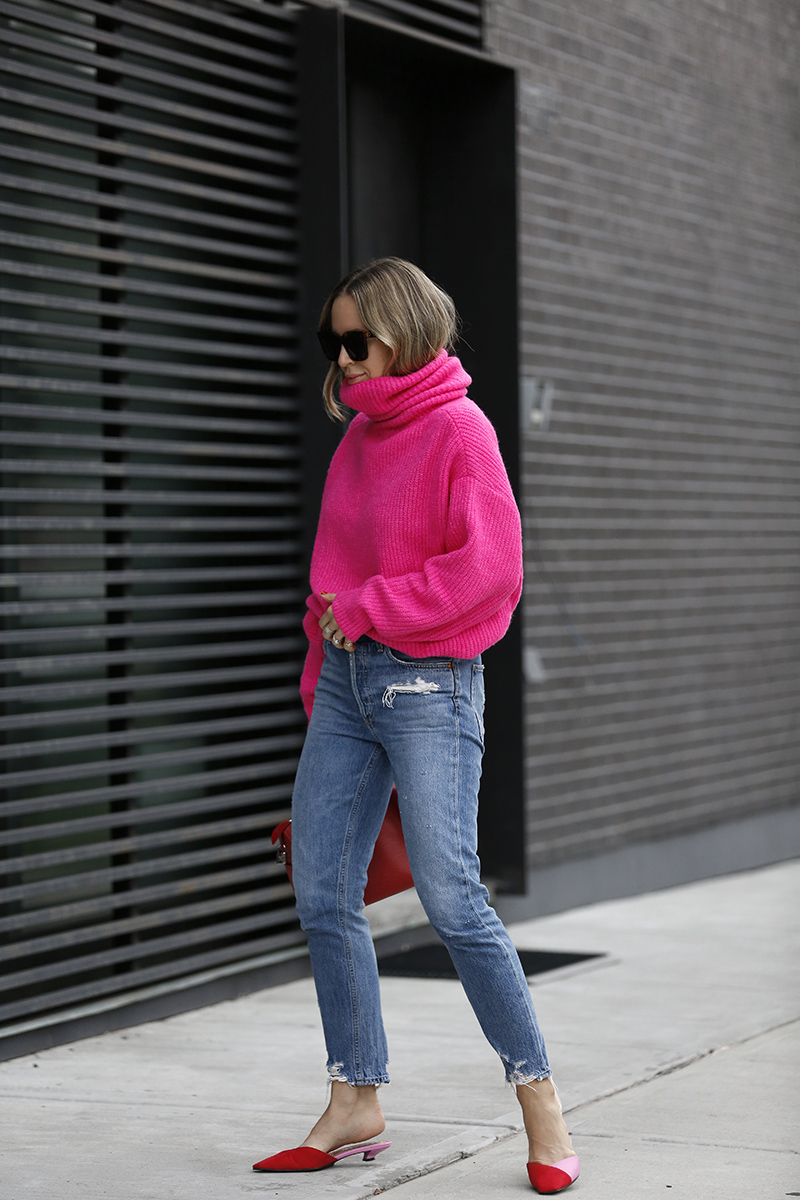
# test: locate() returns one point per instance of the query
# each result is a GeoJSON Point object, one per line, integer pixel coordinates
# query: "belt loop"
{"type": "Point", "coordinates": [457, 666]}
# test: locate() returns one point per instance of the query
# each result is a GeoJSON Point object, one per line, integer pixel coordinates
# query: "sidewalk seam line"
{"type": "Point", "coordinates": [680, 1065]}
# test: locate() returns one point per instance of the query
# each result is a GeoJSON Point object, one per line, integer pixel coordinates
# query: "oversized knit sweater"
{"type": "Point", "coordinates": [419, 534]}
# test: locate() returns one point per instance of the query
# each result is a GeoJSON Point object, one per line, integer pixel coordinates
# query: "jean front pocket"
{"type": "Point", "coordinates": [415, 660]}
{"type": "Point", "coordinates": [403, 675]}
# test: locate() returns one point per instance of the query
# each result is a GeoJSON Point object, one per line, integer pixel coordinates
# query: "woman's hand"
{"type": "Point", "coordinates": [330, 626]}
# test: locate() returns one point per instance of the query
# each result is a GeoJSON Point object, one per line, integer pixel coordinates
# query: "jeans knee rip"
{"type": "Point", "coordinates": [420, 687]}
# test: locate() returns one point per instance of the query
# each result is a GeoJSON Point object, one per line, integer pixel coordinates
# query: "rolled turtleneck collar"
{"type": "Point", "coordinates": [396, 399]}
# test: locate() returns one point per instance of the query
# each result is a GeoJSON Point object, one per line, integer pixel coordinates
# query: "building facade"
{"type": "Point", "coordinates": [611, 196]}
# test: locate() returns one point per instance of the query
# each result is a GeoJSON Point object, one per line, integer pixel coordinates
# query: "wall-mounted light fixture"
{"type": "Point", "coordinates": [536, 404]}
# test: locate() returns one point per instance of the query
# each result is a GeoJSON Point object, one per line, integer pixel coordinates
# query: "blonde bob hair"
{"type": "Point", "coordinates": [400, 306]}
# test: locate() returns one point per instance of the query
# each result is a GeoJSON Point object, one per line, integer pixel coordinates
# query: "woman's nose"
{"type": "Point", "coordinates": [344, 358]}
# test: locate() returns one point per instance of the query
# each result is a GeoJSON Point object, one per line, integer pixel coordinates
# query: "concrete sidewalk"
{"type": "Point", "coordinates": [676, 1058]}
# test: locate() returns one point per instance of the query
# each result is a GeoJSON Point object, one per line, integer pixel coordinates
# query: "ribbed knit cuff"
{"type": "Point", "coordinates": [352, 618]}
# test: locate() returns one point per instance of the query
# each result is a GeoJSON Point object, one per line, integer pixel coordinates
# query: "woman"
{"type": "Point", "coordinates": [417, 568]}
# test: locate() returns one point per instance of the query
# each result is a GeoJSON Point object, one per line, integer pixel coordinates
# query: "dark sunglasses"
{"type": "Point", "coordinates": [355, 342]}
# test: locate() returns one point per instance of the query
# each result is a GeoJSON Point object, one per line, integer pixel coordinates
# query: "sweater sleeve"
{"type": "Point", "coordinates": [314, 656]}
{"type": "Point", "coordinates": [479, 574]}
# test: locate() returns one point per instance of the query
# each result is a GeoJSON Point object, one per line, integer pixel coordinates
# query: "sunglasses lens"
{"type": "Point", "coordinates": [331, 344]}
{"type": "Point", "coordinates": [356, 344]}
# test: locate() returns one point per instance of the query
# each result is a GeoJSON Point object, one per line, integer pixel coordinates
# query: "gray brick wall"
{"type": "Point", "coordinates": [659, 198]}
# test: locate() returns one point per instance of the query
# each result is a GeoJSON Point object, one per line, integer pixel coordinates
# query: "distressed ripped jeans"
{"type": "Point", "coordinates": [382, 718]}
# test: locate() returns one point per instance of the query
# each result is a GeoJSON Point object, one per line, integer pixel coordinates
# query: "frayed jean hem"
{"type": "Point", "coordinates": [515, 1077]}
{"type": "Point", "coordinates": [337, 1074]}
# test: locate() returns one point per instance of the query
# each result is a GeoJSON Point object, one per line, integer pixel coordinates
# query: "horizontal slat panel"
{"type": "Point", "coordinates": [199, 910]}
{"type": "Point", "coordinates": [191, 861]}
{"type": "Point", "coordinates": [233, 223]}
{"type": "Point", "coordinates": [222, 777]}
{"type": "Point", "coordinates": [142, 471]}
{"type": "Point", "coordinates": [156, 183]}
{"type": "Point", "coordinates": [272, 23]}
{"type": "Point", "coordinates": [177, 811]}
{"type": "Point", "coordinates": [223, 399]}
{"type": "Point", "coordinates": [691, 659]}
{"type": "Point", "coordinates": [173, 837]}
{"type": "Point", "coordinates": [169, 760]}
{"type": "Point", "coordinates": [456, 19]}
{"type": "Point", "coordinates": [181, 266]}
{"type": "Point", "coordinates": [60, 664]}
{"type": "Point", "coordinates": [160, 237]}
{"type": "Point", "coordinates": [664, 449]}
{"type": "Point", "coordinates": [251, 150]}
{"type": "Point", "coordinates": [99, 907]}
{"type": "Point", "coordinates": [244, 49]}
{"type": "Point", "coordinates": [95, 34]}
{"type": "Point", "coordinates": [604, 625]}
{"type": "Point", "coordinates": [9, 268]}
{"type": "Point", "coordinates": [81, 497]}
{"type": "Point", "coordinates": [130, 738]}
{"type": "Point", "coordinates": [720, 475]}
{"type": "Point", "coordinates": [151, 618]}
{"type": "Point", "coordinates": [615, 724]}
{"type": "Point", "coordinates": [45, 133]}
{"type": "Point", "coordinates": [151, 708]}
{"type": "Point", "coordinates": [149, 550]}
{"type": "Point", "coordinates": [72, 305]}
{"type": "Point", "coordinates": [233, 374]}
{"type": "Point", "coordinates": [76, 689]}
{"type": "Point", "coordinates": [626, 806]}
{"type": "Point", "coordinates": [148, 629]}
{"type": "Point", "coordinates": [67, 579]}
{"type": "Point", "coordinates": [199, 524]}
{"type": "Point", "coordinates": [659, 756]}
{"type": "Point", "coordinates": [73, 332]}
{"type": "Point", "coordinates": [144, 946]}
{"type": "Point", "coordinates": [133, 979]}
{"type": "Point", "coordinates": [191, 87]}
{"type": "Point", "coordinates": [93, 605]}
{"type": "Point", "coordinates": [658, 253]}
{"type": "Point", "coordinates": [65, 81]}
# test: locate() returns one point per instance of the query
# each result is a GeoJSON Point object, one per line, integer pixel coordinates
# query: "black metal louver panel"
{"type": "Point", "coordinates": [152, 578]}
{"type": "Point", "coordinates": [458, 21]}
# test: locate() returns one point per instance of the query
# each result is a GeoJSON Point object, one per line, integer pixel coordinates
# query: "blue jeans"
{"type": "Point", "coordinates": [382, 718]}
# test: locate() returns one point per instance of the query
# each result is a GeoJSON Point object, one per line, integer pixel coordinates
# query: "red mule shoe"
{"type": "Point", "coordinates": [555, 1178]}
{"type": "Point", "coordinates": [306, 1158]}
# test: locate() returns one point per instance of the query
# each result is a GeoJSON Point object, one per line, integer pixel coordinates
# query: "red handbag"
{"type": "Point", "coordinates": [388, 872]}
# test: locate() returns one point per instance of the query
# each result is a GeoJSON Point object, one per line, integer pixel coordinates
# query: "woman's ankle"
{"type": "Point", "coordinates": [353, 1115]}
{"type": "Point", "coordinates": [548, 1137]}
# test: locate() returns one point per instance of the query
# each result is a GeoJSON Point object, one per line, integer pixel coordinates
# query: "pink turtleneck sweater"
{"type": "Point", "coordinates": [419, 534]}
